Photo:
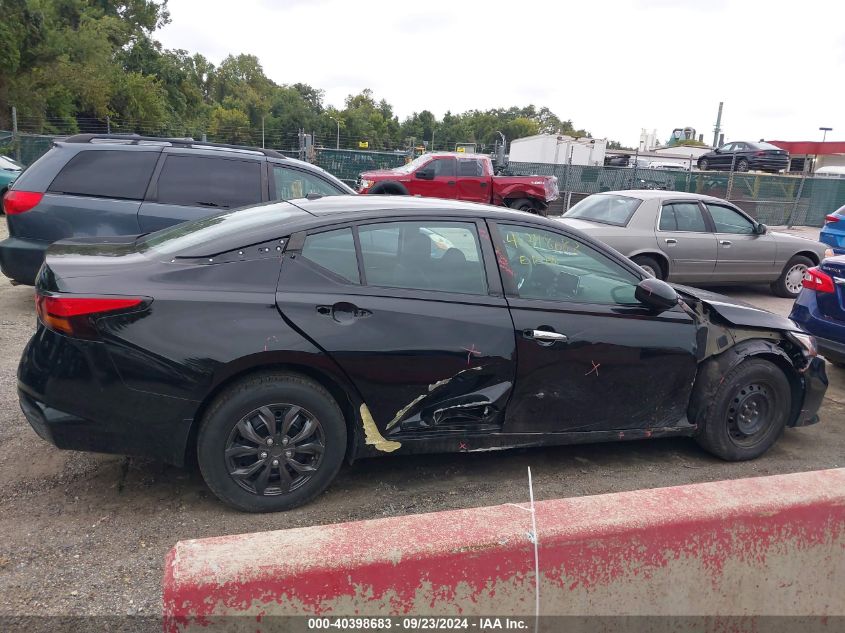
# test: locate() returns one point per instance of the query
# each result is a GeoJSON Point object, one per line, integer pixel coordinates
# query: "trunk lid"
{"type": "Point", "coordinates": [833, 304]}
{"type": "Point", "coordinates": [88, 257]}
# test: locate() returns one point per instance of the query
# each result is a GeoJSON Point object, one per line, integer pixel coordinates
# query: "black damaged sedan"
{"type": "Point", "coordinates": [276, 341]}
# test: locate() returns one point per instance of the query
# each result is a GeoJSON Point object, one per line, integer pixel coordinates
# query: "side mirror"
{"type": "Point", "coordinates": [426, 173]}
{"type": "Point", "coordinates": [656, 294]}
{"type": "Point", "coordinates": [760, 228]}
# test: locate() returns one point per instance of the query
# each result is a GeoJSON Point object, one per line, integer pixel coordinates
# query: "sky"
{"type": "Point", "coordinates": [611, 67]}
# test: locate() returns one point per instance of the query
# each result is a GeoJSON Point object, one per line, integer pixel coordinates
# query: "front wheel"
{"type": "Point", "coordinates": [791, 279]}
{"type": "Point", "coordinates": [703, 164]}
{"type": "Point", "coordinates": [271, 442]}
{"type": "Point", "coordinates": [748, 413]}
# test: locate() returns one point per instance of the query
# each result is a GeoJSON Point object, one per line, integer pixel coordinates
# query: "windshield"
{"type": "Point", "coordinates": [412, 166]}
{"type": "Point", "coordinates": [615, 210]}
{"type": "Point", "coordinates": [176, 239]}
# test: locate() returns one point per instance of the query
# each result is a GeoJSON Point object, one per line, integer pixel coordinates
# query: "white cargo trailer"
{"type": "Point", "coordinates": [558, 149]}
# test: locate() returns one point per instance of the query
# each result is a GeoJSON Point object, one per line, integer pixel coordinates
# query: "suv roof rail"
{"type": "Point", "coordinates": [137, 139]}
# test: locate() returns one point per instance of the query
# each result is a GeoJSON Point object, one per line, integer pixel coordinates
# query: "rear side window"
{"type": "Point", "coordinates": [106, 174]}
{"type": "Point", "coordinates": [682, 216]}
{"type": "Point", "coordinates": [470, 168]}
{"type": "Point", "coordinates": [440, 256]}
{"type": "Point", "coordinates": [200, 181]}
{"type": "Point", "coordinates": [334, 251]}
{"type": "Point", "coordinates": [294, 183]}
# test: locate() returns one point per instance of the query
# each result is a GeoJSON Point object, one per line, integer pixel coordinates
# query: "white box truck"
{"type": "Point", "coordinates": [558, 149]}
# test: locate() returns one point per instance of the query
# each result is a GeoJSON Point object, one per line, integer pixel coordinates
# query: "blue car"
{"type": "Point", "coordinates": [833, 231]}
{"type": "Point", "coordinates": [820, 307]}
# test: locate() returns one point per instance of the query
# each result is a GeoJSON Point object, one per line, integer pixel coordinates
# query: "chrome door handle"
{"type": "Point", "coordinates": [724, 242]}
{"type": "Point", "coordinates": [671, 240]}
{"type": "Point", "coordinates": [544, 337]}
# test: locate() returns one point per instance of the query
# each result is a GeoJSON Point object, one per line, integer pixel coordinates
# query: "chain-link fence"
{"type": "Point", "coordinates": [770, 198]}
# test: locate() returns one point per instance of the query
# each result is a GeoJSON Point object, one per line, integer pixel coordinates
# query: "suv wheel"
{"type": "Point", "coordinates": [271, 442]}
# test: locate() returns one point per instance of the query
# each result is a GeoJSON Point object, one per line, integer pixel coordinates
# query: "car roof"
{"type": "Point", "coordinates": [658, 194]}
{"type": "Point", "coordinates": [455, 154]}
{"type": "Point", "coordinates": [361, 204]}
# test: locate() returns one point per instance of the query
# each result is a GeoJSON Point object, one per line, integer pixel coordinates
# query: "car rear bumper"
{"type": "Point", "coordinates": [21, 258]}
{"type": "Point", "coordinates": [73, 397]}
{"type": "Point", "coordinates": [768, 163]}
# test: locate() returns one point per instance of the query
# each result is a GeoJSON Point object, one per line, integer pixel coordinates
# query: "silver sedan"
{"type": "Point", "coordinates": [695, 239]}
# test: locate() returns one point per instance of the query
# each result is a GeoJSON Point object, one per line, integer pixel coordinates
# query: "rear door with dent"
{"type": "Point", "coordinates": [412, 311]}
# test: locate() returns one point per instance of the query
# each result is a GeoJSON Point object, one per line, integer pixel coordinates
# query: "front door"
{"type": "Point", "coordinates": [743, 255]}
{"type": "Point", "coordinates": [591, 359]}
{"type": "Point", "coordinates": [685, 238]}
{"type": "Point", "coordinates": [435, 179]}
{"type": "Point", "coordinates": [473, 182]}
{"type": "Point", "coordinates": [414, 326]}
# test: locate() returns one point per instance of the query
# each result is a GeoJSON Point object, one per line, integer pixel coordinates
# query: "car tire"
{"type": "Point", "coordinates": [703, 164]}
{"type": "Point", "coordinates": [742, 164]}
{"type": "Point", "coordinates": [389, 189]}
{"type": "Point", "coordinates": [748, 412]}
{"type": "Point", "coordinates": [650, 265]}
{"type": "Point", "coordinates": [527, 205]}
{"type": "Point", "coordinates": [788, 285]}
{"type": "Point", "coordinates": [234, 438]}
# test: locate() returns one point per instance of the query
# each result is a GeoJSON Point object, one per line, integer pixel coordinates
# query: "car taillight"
{"type": "Point", "coordinates": [818, 280]}
{"type": "Point", "coordinates": [830, 219]}
{"type": "Point", "coordinates": [15, 202]}
{"type": "Point", "coordinates": [761, 153]}
{"type": "Point", "coordinates": [75, 316]}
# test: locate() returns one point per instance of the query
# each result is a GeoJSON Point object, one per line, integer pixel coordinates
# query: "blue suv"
{"type": "Point", "coordinates": [107, 185]}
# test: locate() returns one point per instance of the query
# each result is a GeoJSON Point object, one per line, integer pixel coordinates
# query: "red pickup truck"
{"type": "Point", "coordinates": [454, 175]}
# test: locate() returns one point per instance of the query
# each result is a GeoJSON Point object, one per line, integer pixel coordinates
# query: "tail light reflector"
{"type": "Point", "coordinates": [818, 280]}
{"type": "Point", "coordinates": [830, 219]}
{"type": "Point", "coordinates": [15, 202]}
{"type": "Point", "coordinates": [75, 316]}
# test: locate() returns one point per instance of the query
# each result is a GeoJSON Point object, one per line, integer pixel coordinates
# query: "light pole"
{"type": "Point", "coordinates": [825, 130]}
{"type": "Point", "coordinates": [338, 131]}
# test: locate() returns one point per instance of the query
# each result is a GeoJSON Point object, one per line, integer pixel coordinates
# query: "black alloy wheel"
{"type": "Point", "coordinates": [275, 449]}
{"type": "Point", "coordinates": [271, 441]}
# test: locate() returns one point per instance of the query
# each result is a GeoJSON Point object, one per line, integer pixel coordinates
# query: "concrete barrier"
{"type": "Point", "coordinates": [770, 546]}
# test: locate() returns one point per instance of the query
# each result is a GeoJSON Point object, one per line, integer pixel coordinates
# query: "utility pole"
{"type": "Point", "coordinates": [15, 142]}
{"type": "Point", "coordinates": [108, 124]}
{"type": "Point", "coordinates": [718, 127]}
{"type": "Point", "coordinates": [337, 145]}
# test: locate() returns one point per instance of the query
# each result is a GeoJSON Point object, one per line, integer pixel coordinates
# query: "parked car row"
{"type": "Point", "coordinates": [396, 324]}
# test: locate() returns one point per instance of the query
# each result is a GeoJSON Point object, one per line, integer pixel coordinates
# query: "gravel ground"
{"type": "Point", "coordinates": [87, 534]}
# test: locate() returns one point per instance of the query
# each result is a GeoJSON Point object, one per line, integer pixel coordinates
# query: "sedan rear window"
{"type": "Point", "coordinates": [181, 237]}
{"type": "Point", "coordinates": [605, 209]}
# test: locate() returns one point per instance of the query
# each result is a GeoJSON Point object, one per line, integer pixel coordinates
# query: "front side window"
{"type": "Point", "coordinates": [728, 147]}
{"type": "Point", "coordinates": [554, 267]}
{"type": "Point", "coordinates": [441, 256]}
{"type": "Point", "coordinates": [605, 209]}
{"type": "Point", "coordinates": [107, 174]}
{"type": "Point", "coordinates": [682, 216]}
{"type": "Point", "coordinates": [294, 183]}
{"type": "Point", "coordinates": [728, 220]}
{"type": "Point", "coordinates": [334, 251]}
{"type": "Point", "coordinates": [204, 181]}
{"type": "Point", "coordinates": [442, 167]}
